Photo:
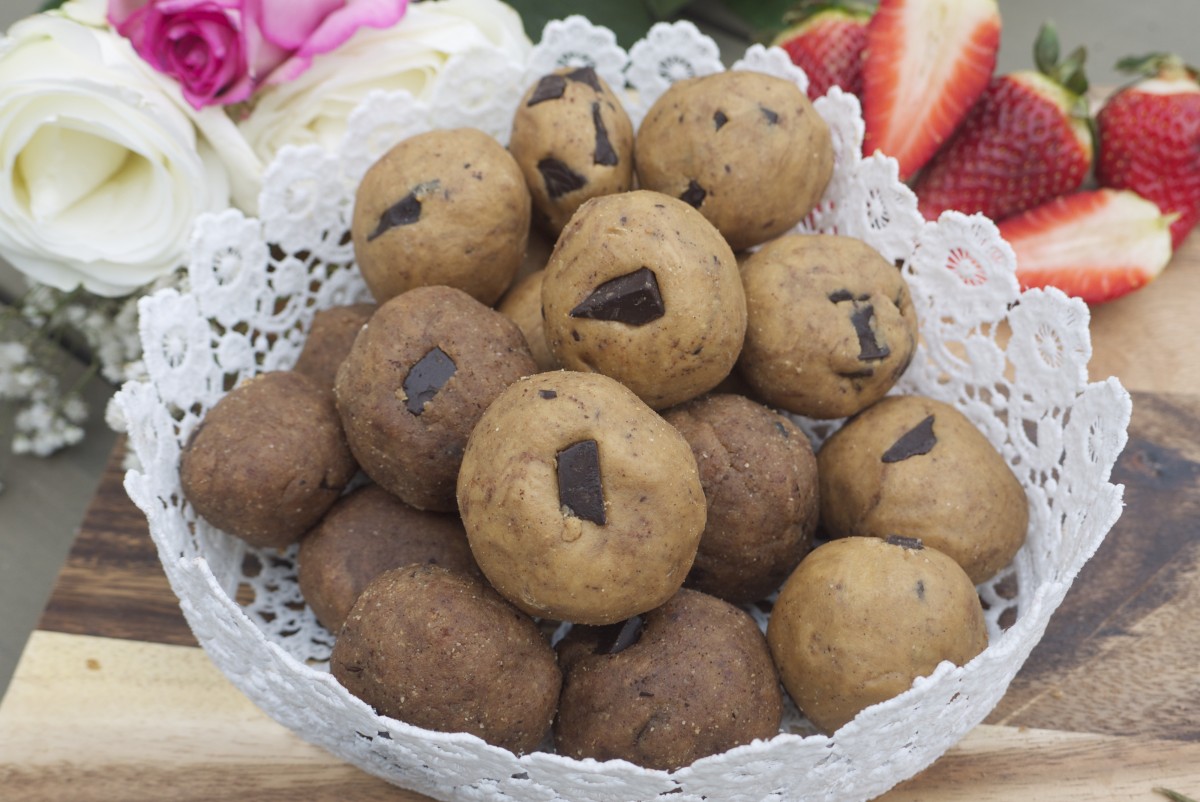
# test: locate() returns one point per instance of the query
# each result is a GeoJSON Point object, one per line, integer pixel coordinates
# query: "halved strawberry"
{"type": "Point", "coordinates": [1150, 138]}
{"type": "Point", "coordinates": [826, 39]}
{"type": "Point", "coordinates": [1027, 140]}
{"type": "Point", "coordinates": [926, 63]}
{"type": "Point", "coordinates": [1095, 245]}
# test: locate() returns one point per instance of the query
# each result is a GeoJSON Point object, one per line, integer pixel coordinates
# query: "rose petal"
{"type": "Point", "coordinates": [287, 23]}
{"type": "Point", "coordinates": [335, 29]}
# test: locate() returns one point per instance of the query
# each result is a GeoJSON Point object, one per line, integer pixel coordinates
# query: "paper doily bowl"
{"type": "Point", "coordinates": [1015, 363]}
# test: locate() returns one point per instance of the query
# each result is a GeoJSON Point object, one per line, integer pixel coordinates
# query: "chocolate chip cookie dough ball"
{"type": "Point", "coordinates": [416, 381]}
{"type": "Point", "coordinates": [746, 149]}
{"type": "Point", "coordinates": [689, 679]}
{"type": "Point", "coordinates": [268, 460]}
{"type": "Point", "coordinates": [445, 207]}
{"type": "Point", "coordinates": [573, 141]}
{"type": "Point", "coordinates": [443, 651]}
{"type": "Point", "coordinates": [329, 339]}
{"type": "Point", "coordinates": [523, 305]}
{"type": "Point", "coordinates": [365, 533]}
{"type": "Point", "coordinates": [640, 287]}
{"type": "Point", "coordinates": [760, 481]}
{"type": "Point", "coordinates": [916, 467]}
{"type": "Point", "coordinates": [861, 618]}
{"type": "Point", "coordinates": [580, 502]}
{"type": "Point", "coordinates": [831, 325]}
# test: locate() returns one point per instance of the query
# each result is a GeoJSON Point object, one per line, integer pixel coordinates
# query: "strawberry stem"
{"type": "Point", "coordinates": [1069, 72]}
{"type": "Point", "coordinates": [1157, 64]}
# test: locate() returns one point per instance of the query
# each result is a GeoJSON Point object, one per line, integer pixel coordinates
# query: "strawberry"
{"type": "Point", "coordinates": [826, 40]}
{"type": "Point", "coordinates": [1027, 140]}
{"type": "Point", "coordinates": [926, 63]}
{"type": "Point", "coordinates": [1095, 245]}
{"type": "Point", "coordinates": [1150, 138]}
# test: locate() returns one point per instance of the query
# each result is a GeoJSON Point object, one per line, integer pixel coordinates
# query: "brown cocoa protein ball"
{"type": "Point", "coordinates": [746, 149]}
{"type": "Point", "coordinates": [917, 467]}
{"type": "Point", "coordinates": [268, 460]}
{"type": "Point", "coordinates": [523, 305]}
{"type": "Point", "coordinates": [444, 207]}
{"type": "Point", "coordinates": [760, 482]}
{"type": "Point", "coordinates": [441, 650]}
{"type": "Point", "coordinates": [419, 376]}
{"type": "Point", "coordinates": [329, 339]}
{"type": "Point", "coordinates": [689, 679]}
{"type": "Point", "coordinates": [367, 532]}
{"type": "Point", "coordinates": [861, 618]}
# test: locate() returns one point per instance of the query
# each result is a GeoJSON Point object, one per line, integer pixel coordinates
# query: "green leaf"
{"type": "Point", "coordinates": [666, 8]}
{"type": "Point", "coordinates": [50, 5]}
{"type": "Point", "coordinates": [1045, 48]}
{"type": "Point", "coordinates": [628, 19]}
{"type": "Point", "coordinates": [763, 17]}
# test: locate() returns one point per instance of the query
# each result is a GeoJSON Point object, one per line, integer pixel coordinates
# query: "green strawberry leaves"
{"type": "Point", "coordinates": [1070, 71]}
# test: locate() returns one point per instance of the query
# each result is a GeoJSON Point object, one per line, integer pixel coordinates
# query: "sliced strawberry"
{"type": "Point", "coordinates": [926, 63]}
{"type": "Point", "coordinates": [826, 40]}
{"type": "Point", "coordinates": [1150, 138]}
{"type": "Point", "coordinates": [1095, 245]}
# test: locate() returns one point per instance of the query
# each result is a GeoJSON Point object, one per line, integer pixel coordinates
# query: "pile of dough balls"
{"type": "Point", "coordinates": [606, 437]}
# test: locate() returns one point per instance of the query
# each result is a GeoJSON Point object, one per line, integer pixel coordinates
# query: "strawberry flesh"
{"type": "Point", "coordinates": [926, 63]}
{"type": "Point", "coordinates": [1096, 245]}
{"type": "Point", "coordinates": [828, 46]}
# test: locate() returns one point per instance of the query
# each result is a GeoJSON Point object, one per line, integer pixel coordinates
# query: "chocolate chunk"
{"type": "Point", "coordinates": [404, 212]}
{"type": "Point", "coordinates": [547, 394]}
{"type": "Point", "coordinates": [580, 490]}
{"type": "Point", "coordinates": [694, 195]}
{"type": "Point", "coordinates": [841, 296]}
{"type": "Point", "coordinates": [559, 178]}
{"type": "Point", "coordinates": [869, 347]}
{"type": "Point", "coordinates": [913, 543]}
{"type": "Point", "coordinates": [426, 378]}
{"type": "Point", "coordinates": [913, 443]}
{"type": "Point", "coordinates": [551, 87]}
{"type": "Point", "coordinates": [719, 119]}
{"type": "Point", "coordinates": [616, 638]}
{"type": "Point", "coordinates": [604, 153]}
{"type": "Point", "coordinates": [633, 298]}
{"type": "Point", "coordinates": [921, 589]}
{"type": "Point", "coordinates": [782, 430]}
{"type": "Point", "coordinates": [772, 116]}
{"type": "Point", "coordinates": [586, 75]}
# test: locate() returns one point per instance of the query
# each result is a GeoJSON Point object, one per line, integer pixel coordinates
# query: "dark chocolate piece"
{"type": "Point", "coordinates": [580, 490]}
{"type": "Point", "coordinates": [586, 75]}
{"type": "Point", "coordinates": [604, 154]}
{"type": "Point", "coordinates": [694, 195]}
{"type": "Point", "coordinates": [559, 178]}
{"type": "Point", "coordinates": [913, 543]}
{"type": "Point", "coordinates": [841, 296]}
{"type": "Point", "coordinates": [547, 394]}
{"type": "Point", "coordinates": [426, 378]}
{"type": "Point", "coordinates": [869, 347]}
{"type": "Point", "coordinates": [633, 298]}
{"type": "Point", "coordinates": [918, 440]}
{"type": "Point", "coordinates": [404, 212]}
{"type": "Point", "coordinates": [616, 638]}
{"type": "Point", "coordinates": [551, 87]}
{"type": "Point", "coordinates": [719, 119]}
{"type": "Point", "coordinates": [772, 116]}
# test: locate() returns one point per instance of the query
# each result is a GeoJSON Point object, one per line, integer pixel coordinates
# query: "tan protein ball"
{"type": "Point", "coordinates": [441, 650]}
{"type": "Point", "coordinates": [580, 502]}
{"type": "Point", "coordinates": [831, 325]}
{"type": "Point", "coordinates": [445, 207]}
{"type": "Point", "coordinates": [329, 339]}
{"type": "Point", "coordinates": [861, 618]}
{"type": "Point", "coordinates": [573, 141]}
{"type": "Point", "coordinates": [745, 148]}
{"type": "Point", "coordinates": [522, 304]}
{"type": "Point", "coordinates": [642, 288]}
{"type": "Point", "coordinates": [916, 467]}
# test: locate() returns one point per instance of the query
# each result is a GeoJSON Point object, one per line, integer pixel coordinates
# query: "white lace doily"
{"type": "Point", "coordinates": [1015, 363]}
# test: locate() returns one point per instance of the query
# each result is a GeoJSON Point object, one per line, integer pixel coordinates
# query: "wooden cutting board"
{"type": "Point", "coordinates": [113, 700]}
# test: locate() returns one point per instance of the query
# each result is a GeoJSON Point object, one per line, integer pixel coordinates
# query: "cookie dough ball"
{"type": "Point", "coordinates": [580, 502]}
{"type": "Point", "coordinates": [573, 141]}
{"type": "Point", "coordinates": [523, 306]}
{"type": "Point", "coordinates": [445, 207]}
{"type": "Point", "coordinates": [831, 325]}
{"type": "Point", "coordinates": [416, 381]}
{"type": "Point", "coordinates": [760, 481]}
{"type": "Point", "coordinates": [916, 467]}
{"type": "Point", "coordinates": [689, 679]}
{"type": "Point", "coordinates": [441, 650]}
{"type": "Point", "coordinates": [268, 460]}
{"type": "Point", "coordinates": [329, 339]}
{"type": "Point", "coordinates": [642, 288]}
{"type": "Point", "coordinates": [861, 618]}
{"type": "Point", "coordinates": [746, 149]}
{"type": "Point", "coordinates": [365, 533]}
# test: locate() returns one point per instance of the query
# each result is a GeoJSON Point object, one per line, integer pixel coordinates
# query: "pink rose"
{"type": "Point", "coordinates": [220, 51]}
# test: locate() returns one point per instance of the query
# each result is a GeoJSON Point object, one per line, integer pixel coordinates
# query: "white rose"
{"type": "Point", "coordinates": [106, 169]}
{"type": "Point", "coordinates": [314, 108]}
